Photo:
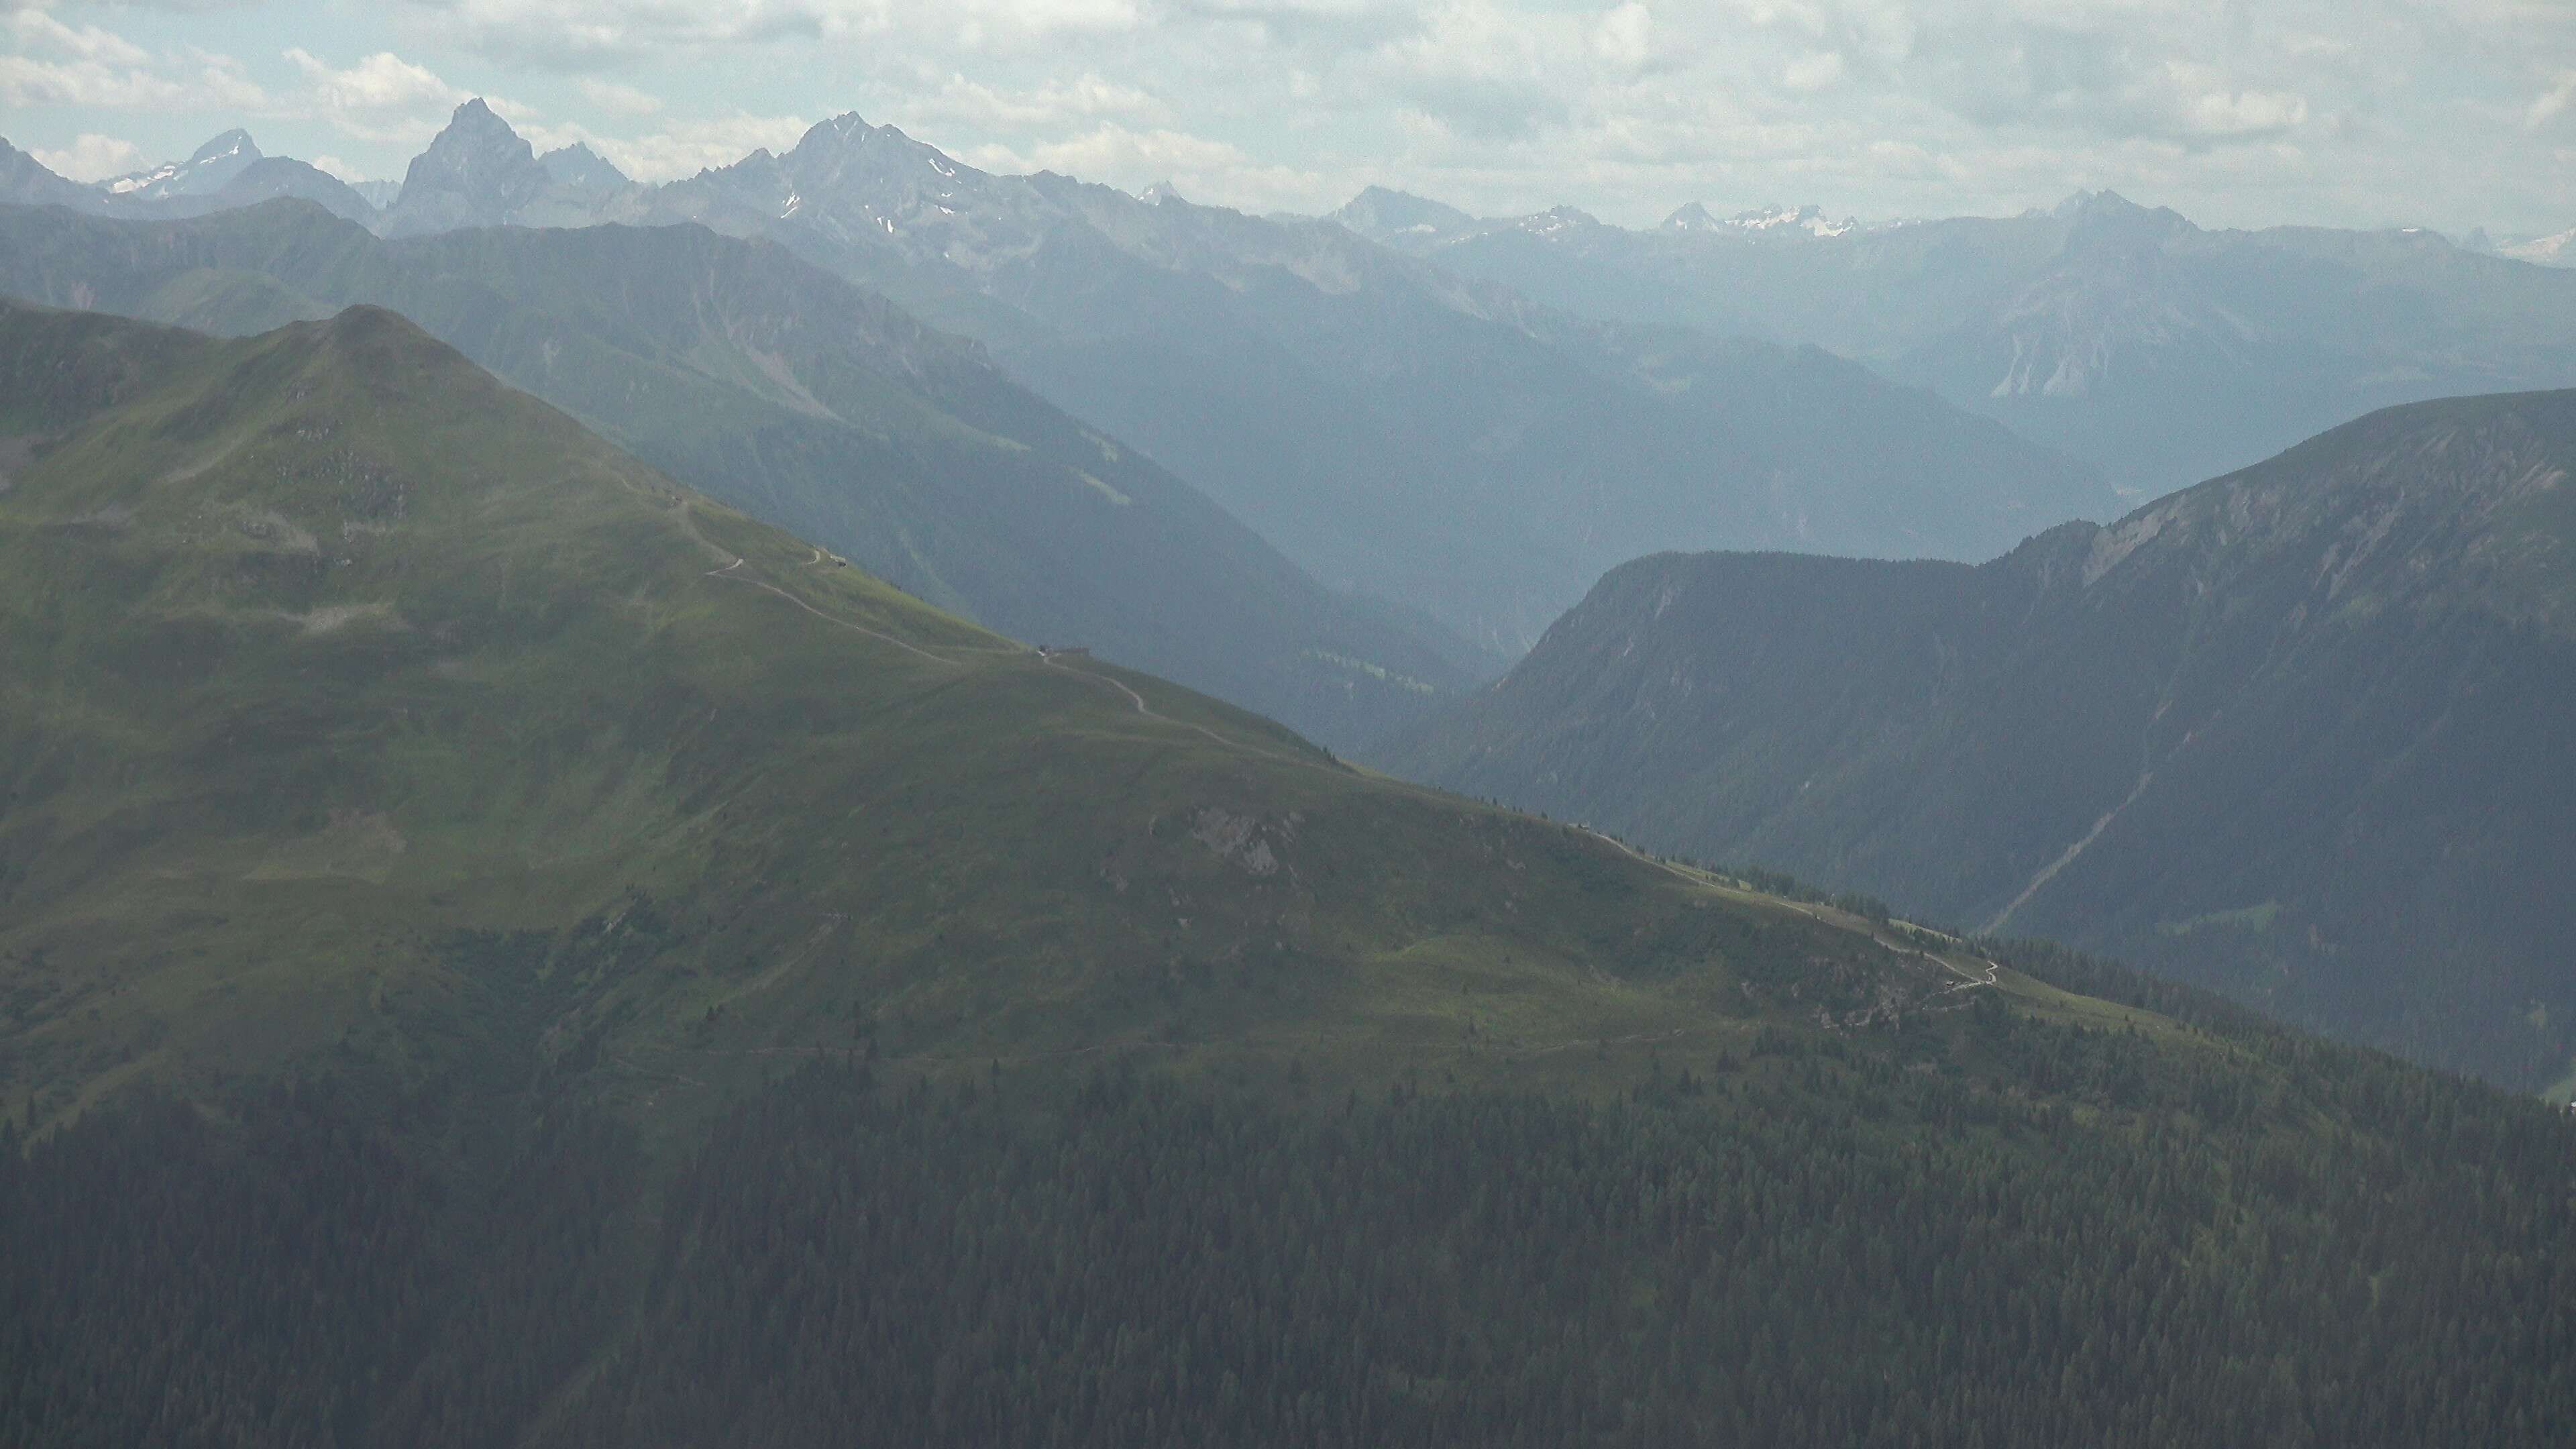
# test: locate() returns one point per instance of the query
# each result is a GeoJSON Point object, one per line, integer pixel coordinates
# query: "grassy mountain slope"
{"type": "Point", "coordinates": [2297, 733]}
{"type": "Point", "coordinates": [498, 948]}
{"type": "Point", "coordinates": [791, 394]}
{"type": "Point", "coordinates": [357, 704]}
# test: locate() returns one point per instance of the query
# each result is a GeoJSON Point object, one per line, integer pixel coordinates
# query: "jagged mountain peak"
{"type": "Point", "coordinates": [2108, 209]}
{"type": "Point", "coordinates": [578, 165]}
{"type": "Point", "coordinates": [231, 143]}
{"type": "Point", "coordinates": [29, 182]}
{"type": "Point", "coordinates": [479, 171]}
{"type": "Point", "coordinates": [206, 170]}
{"type": "Point", "coordinates": [1809, 219]}
{"type": "Point", "coordinates": [1382, 213]}
{"type": "Point", "coordinates": [476, 114]}
{"type": "Point", "coordinates": [475, 130]}
{"type": "Point", "coordinates": [846, 129]}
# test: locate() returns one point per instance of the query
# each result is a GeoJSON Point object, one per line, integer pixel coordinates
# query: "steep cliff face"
{"type": "Point", "coordinates": [2300, 732]}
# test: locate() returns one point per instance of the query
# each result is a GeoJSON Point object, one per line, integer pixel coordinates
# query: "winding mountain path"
{"type": "Point", "coordinates": [727, 572]}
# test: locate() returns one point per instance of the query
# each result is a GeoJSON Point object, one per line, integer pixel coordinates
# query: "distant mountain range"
{"type": "Point", "coordinates": [812, 403]}
{"type": "Point", "coordinates": [1444, 445]}
{"type": "Point", "coordinates": [2154, 350]}
{"type": "Point", "coordinates": [2301, 733]}
{"type": "Point", "coordinates": [225, 173]}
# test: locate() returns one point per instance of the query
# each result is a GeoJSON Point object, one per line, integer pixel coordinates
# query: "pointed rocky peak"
{"type": "Point", "coordinates": [1161, 192]}
{"type": "Point", "coordinates": [207, 170]}
{"type": "Point", "coordinates": [578, 165]}
{"type": "Point", "coordinates": [477, 148]}
{"type": "Point", "coordinates": [477, 118]}
{"type": "Point", "coordinates": [1558, 221]}
{"type": "Point", "coordinates": [847, 141]}
{"type": "Point", "coordinates": [1382, 214]}
{"type": "Point", "coordinates": [845, 130]}
{"type": "Point", "coordinates": [235, 143]}
{"type": "Point", "coordinates": [474, 135]}
{"type": "Point", "coordinates": [2110, 206]}
{"type": "Point", "coordinates": [26, 181]}
{"type": "Point", "coordinates": [2106, 218]}
{"type": "Point", "coordinates": [1693, 217]}
{"type": "Point", "coordinates": [477, 172]}
{"type": "Point", "coordinates": [1808, 220]}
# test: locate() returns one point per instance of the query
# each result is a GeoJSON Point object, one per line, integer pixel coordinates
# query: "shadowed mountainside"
{"type": "Point", "coordinates": [2299, 733]}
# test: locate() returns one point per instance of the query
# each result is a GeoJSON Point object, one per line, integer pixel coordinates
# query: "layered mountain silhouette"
{"type": "Point", "coordinates": [2155, 350]}
{"type": "Point", "coordinates": [2299, 733]}
{"type": "Point", "coordinates": [225, 173]}
{"type": "Point", "coordinates": [788, 392]}
{"type": "Point", "coordinates": [1440, 443]}
{"type": "Point", "coordinates": [1396, 432]}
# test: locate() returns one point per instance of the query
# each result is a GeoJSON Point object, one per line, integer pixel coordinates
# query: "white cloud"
{"type": "Point", "coordinates": [1625, 37]}
{"type": "Point", "coordinates": [91, 157]}
{"type": "Point", "coordinates": [2552, 103]}
{"type": "Point", "coordinates": [380, 82]}
{"type": "Point", "coordinates": [1813, 72]}
{"type": "Point", "coordinates": [334, 167]}
{"type": "Point", "coordinates": [58, 65]}
{"type": "Point", "coordinates": [1085, 97]}
{"type": "Point", "coordinates": [682, 148]}
{"type": "Point", "coordinates": [2246, 113]}
{"type": "Point", "coordinates": [623, 100]}
{"type": "Point", "coordinates": [36, 30]}
{"type": "Point", "coordinates": [381, 98]}
{"type": "Point", "coordinates": [1202, 168]}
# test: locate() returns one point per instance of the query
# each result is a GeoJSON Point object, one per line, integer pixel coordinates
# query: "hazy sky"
{"type": "Point", "coordinates": [2240, 112]}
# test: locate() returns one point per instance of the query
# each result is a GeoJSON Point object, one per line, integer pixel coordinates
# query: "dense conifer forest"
{"type": "Point", "coordinates": [1974, 1232]}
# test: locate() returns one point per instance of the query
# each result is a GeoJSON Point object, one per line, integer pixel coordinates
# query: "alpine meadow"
{"type": "Point", "coordinates": [1312, 725]}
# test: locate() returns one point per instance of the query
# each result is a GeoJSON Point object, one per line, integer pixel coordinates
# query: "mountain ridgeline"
{"type": "Point", "coordinates": [1394, 429]}
{"type": "Point", "coordinates": [2157, 351]}
{"type": "Point", "coordinates": [2300, 733]}
{"type": "Point", "coordinates": [1397, 432]}
{"type": "Point", "coordinates": [814, 405]}
{"type": "Point", "coordinates": [500, 948]}
{"type": "Point", "coordinates": [359, 707]}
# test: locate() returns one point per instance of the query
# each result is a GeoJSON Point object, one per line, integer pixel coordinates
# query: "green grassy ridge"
{"type": "Point", "coordinates": [361, 712]}
{"type": "Point", "coordinates": [812, 404]}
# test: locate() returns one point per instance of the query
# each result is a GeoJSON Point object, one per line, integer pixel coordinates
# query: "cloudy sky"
{"type": "Point", "coordinates": [2237, 112]}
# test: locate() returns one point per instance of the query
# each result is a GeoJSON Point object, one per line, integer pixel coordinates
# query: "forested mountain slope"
{"type": "Point", "coordinates": [811, 404]}
{"type": "Point", "coordinates": [2300, 733]}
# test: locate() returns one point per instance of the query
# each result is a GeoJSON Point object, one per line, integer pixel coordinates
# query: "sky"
{"type": "Point", "coordinates": [2234, 112]}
